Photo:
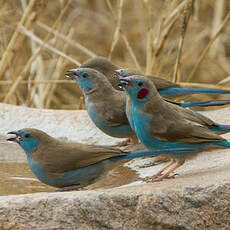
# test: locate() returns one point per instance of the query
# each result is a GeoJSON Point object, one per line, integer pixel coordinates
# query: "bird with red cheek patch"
{"type": "Point", "coordinates": [162, 125]}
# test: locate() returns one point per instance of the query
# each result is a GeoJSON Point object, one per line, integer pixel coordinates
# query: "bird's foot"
{"type": "Point", "coordinates": [168, 176]}
{"type": "Point", "coordinates": [123, 143]}
{"type": "Point", "coordinates": [158, 177]}
{"type": "Point", "coordinates": [147, 165]}
{"type": "Point", "coordinates": [150, 179]}
{"type": "Point", "coordinates": [68, 188]}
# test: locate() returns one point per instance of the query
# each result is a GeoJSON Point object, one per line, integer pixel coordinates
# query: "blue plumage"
{"type": "Point", "coordinates": [204, 103]}
{"type": "Point", "coordinates": [184, 91]}
{"type": "Point", "coordinates": [160, 125]}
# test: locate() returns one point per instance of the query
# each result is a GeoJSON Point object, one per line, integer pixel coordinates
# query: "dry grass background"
{"type": "Point", "coordinates": [186, 41]}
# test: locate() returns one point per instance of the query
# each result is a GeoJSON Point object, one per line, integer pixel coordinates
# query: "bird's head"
{"type": "Point", "coordinates": [29, 139]}
{"type": "Point", "coordinates": [139, 88]}
{"type": "Point", "coordinates": [89, 80]}
{"type": "Point", "coordinates": [83, 77]}
{"type": "Point", "coordinates": [104, 66]}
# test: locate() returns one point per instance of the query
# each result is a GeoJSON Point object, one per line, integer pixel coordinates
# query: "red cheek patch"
{"type": "Point", "coordinates": [142, 93]}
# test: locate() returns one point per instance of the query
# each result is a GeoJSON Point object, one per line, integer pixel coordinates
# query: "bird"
{"type": "Point", "coordinates": [105, 105]}
{"type": "Point", "coordinates": [69, 165]}
{"type": "Point", "coordinates": [167, 88]}
{"type": "Point", "coordinates": [159, 124]}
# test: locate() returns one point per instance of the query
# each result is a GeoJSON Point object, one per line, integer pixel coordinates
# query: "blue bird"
{"type": "Point", "coordinates": [68, 165]}
{"type": "Point", "coordinates": [105, 105]}
{"type": "Point", "coordinates": [159, 124]}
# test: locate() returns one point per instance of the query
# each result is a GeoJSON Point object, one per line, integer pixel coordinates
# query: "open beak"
{"type": "Point", "coordinates": [125, 82]}
{"type": "Point", "coordinates": [71, 73]}
{"type": "Point", "coordinates": [14, 139]}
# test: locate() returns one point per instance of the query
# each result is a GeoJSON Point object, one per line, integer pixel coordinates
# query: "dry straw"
{"type": "Point", "coordinates": [174, 39]}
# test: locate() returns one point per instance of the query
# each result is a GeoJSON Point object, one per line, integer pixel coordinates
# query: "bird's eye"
{"type": "Point", "coordinates": [140, 84]}
{"type": "Point", "coordinates": [84, 75]}
{"type": "Point", "coordinates": [27, 135]}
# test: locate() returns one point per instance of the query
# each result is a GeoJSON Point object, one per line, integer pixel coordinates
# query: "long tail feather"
{"type": "Point", "coordinates": [221, 128]}
{"type": "Point", "coordinates": [204, 103]}
{"type": "Point", "coordinates": [157, 152]}
{"type": "Point", "coordinates": [225, 144]}
{"type": "Point", "coordinates": [184, 91]}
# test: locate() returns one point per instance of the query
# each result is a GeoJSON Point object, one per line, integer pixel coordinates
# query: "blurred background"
{"type": "Point", "coordinates": [186, 41]}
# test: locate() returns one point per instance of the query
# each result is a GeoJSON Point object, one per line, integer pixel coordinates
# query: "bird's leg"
{"type": "Point", "coordinates": [69, 188]}
{"type": "Point", "coordinates": [166, 175]}
{"type": "Point", "coordinates": [157, 160]}
{"type": "Point", "coordinates": [152, 178]}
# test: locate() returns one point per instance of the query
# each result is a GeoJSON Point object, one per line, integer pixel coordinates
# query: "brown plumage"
{"type": "Point", "coordinates": [106, 67]}
{"type": "Point", "coordinates": [59, 156]}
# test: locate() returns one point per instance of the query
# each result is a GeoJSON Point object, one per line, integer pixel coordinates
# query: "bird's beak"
{"type": "Point", "coordinates": [14, 139]}
{"type": "Point", "coordinates": [71, 73]}
{"type": "Point", "coordinates": [125, 82]}
{"type": "Point", "coordinates": [120, 73]}
{"type": "Point", "coordinates": [117, 73]}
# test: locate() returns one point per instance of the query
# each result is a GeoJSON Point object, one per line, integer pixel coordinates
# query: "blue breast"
{"type": "Point", "coordinates": [128, 110]}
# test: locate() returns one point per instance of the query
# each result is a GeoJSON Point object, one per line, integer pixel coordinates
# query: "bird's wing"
{"type": "Point", "coordinates": [114, 114]}
{"type": "Point", "coordinates": [169, 124]}
{"type": "Point", "coordinates": [63, 156]}
{"type": "Point", "coordinates": [161, 83]}
{"type": "Point", "coordinates": [181, 132]}
{"type": "Point", "coordinates": [193, 116]}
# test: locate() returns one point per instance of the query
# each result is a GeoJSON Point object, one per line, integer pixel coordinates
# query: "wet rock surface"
{"type": "Point", "coordinates": [198, 198]}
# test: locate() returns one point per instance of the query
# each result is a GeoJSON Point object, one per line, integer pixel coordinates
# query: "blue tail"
{"type": "Point", "coordinates": [221, 128]}
{"type": "Point", "coordinates": [184, 91]}
{"type": "Point", "coordinates": [157, 152]}
{"type": "Point", "coordinates": [204, 103]}
{"type": "Point", "coordinates": [225, 144]}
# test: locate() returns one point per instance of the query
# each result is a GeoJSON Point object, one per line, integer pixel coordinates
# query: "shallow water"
{"type": "Point", "coordinates": [16, 178]}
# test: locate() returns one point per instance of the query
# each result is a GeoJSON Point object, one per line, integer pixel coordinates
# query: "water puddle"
{"type": "Point", "coordinates": [16, 178]}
